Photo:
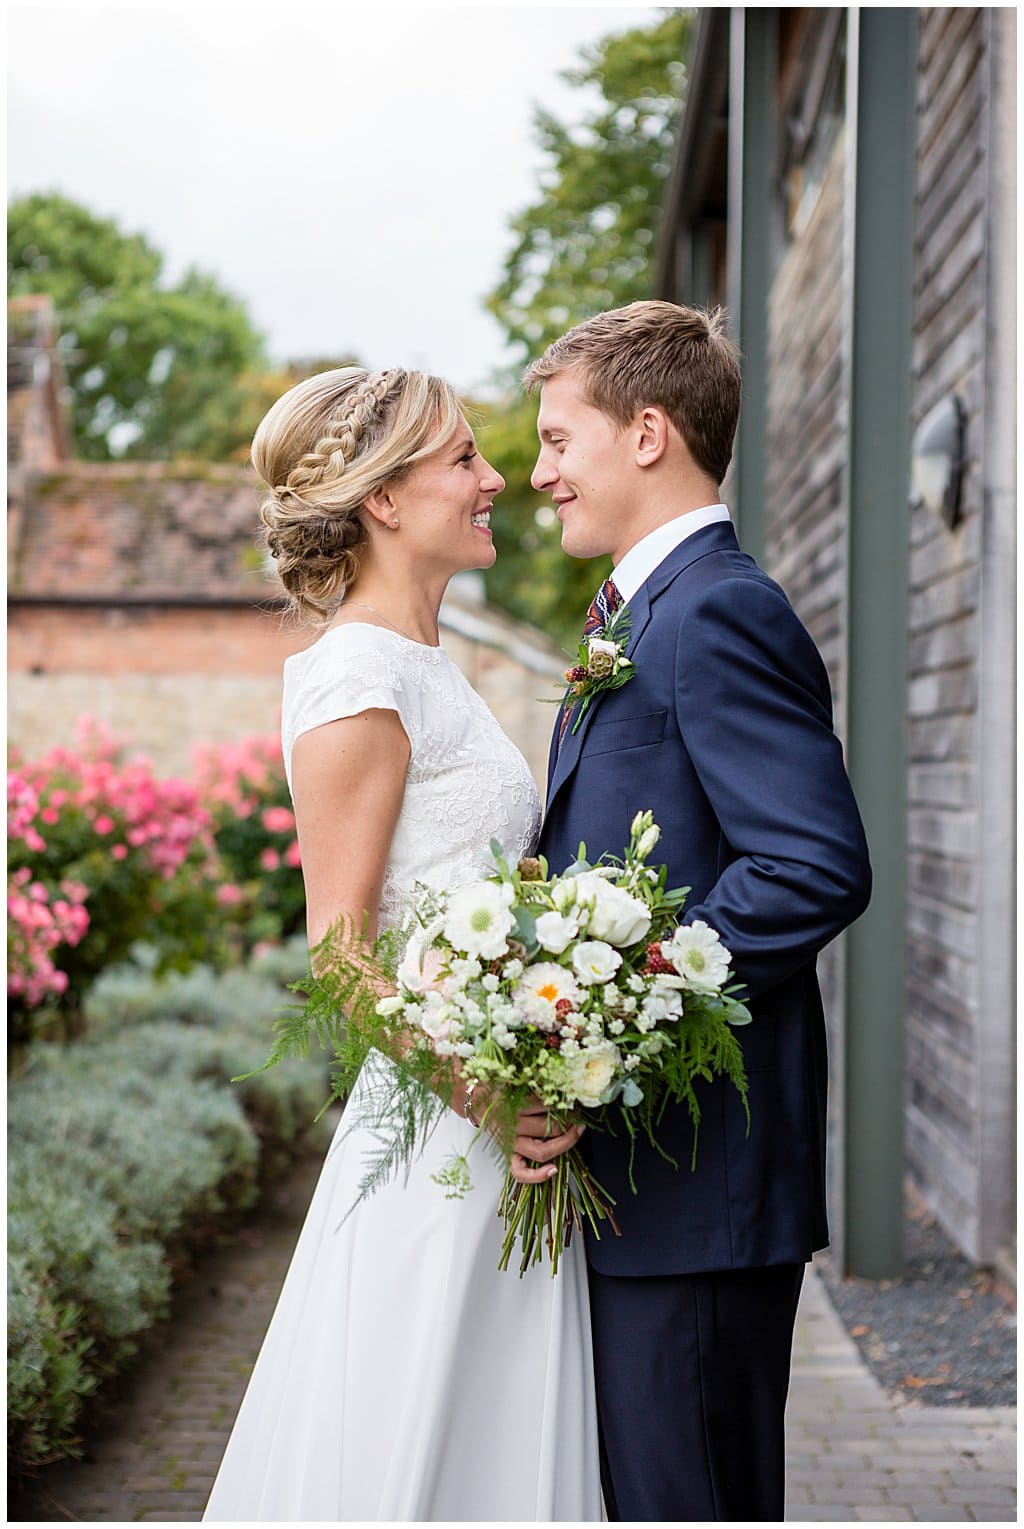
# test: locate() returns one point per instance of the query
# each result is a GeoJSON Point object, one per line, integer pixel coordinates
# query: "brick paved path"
{"type": "Point", "coordinates": [852, 1455]}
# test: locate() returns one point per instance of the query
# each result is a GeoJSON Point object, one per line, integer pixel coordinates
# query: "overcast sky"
{"type": "Point", "coordinates": [348, 171]}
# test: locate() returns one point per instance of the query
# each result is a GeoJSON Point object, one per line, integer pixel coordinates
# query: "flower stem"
{"type": "Point", "coordinates": [544, 1215]}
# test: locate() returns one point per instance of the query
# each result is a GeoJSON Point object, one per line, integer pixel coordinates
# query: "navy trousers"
{"type": "Point", "coordinates": [692, 1373]}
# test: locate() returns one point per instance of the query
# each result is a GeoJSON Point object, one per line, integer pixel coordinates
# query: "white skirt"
{"type": "Point", "coordinates": [403, 1378]}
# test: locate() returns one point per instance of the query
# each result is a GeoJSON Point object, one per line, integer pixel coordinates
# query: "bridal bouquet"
{"type": "Point", "coordinates": [580, 990]}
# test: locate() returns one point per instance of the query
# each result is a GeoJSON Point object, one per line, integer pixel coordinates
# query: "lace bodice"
{"type": "Point", "coordinates": [467, 782]}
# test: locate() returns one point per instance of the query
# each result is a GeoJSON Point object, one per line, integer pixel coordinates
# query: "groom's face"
{"type": "Point", "coordinates": [587, 466]}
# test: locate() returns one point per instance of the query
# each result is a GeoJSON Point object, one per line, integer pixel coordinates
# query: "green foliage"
{"type": "Point", "coordinates": [167, 369]}
{"type": "Point", "coordinates": [126, 1149]}
{"type": "Point", "coordinates": [587, 243]}
{"type": "Point", "coordinates": [47, 1378]}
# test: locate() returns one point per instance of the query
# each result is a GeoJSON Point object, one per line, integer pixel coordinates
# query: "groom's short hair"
{"type": "Point", "coordinates": [679, 359]}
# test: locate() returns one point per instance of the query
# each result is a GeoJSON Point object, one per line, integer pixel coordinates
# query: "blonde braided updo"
{"type": "Point", "coordinates": [323, 448]}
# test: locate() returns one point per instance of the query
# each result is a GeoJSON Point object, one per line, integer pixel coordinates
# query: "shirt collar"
{"type": "Point", "coordinates": [641, 561]}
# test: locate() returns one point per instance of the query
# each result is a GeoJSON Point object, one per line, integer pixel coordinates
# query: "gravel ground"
{"type": "Point", "coordinates": [942, 1335]}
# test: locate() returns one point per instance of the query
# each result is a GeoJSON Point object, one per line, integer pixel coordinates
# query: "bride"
{"type": "Point", "coordinates": [402, 1377]}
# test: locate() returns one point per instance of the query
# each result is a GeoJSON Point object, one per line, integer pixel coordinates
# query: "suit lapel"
{"type": "Point", "coordinates": [719, 537]}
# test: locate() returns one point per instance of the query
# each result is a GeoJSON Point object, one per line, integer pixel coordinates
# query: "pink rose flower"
{"type": "Point", "coordinates": [278, 820]}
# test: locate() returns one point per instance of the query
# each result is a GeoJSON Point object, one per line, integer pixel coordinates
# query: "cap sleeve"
{"type": "Point", "coordinates": [348, 671]}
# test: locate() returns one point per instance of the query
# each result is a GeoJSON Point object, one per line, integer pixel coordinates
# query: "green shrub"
{"type": "Point", "coordinates": [47, 1378]}
{"type": "Point", "coordinates": [130, 995]}
{"type": "Point", "coordinates": [125, 1149]}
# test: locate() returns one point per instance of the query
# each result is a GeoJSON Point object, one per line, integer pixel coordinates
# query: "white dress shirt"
{"type": "Point", "coordinates": [641, 561]}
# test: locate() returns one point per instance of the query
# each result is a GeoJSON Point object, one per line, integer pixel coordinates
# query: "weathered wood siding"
{"type": "Point", "coordinates": [805, 537]}
{"type": "Point", "coordinates": [945, 576]}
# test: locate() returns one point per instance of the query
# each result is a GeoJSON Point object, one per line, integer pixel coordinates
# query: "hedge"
{"type": "Point", "coordinates": [127, 1150]}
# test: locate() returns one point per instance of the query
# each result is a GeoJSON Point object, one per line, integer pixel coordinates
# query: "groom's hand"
{"type": "Point", "coordinates": [538, 1140]}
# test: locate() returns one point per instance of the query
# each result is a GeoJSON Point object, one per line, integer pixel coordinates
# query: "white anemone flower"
{"type": "Point", "coordinates": [546, 983]}
{"type": "Point", "coordinates": [595, 962]}
{"type": "Point", "coordinates": [479, 919]}
{"type": "Point", "coordinates": [698, 955]}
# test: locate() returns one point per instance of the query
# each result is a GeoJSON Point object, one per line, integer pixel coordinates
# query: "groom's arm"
{"type": "Point", "coordinates": [753, 706]}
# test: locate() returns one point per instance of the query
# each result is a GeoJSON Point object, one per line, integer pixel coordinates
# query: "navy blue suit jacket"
{"type": "Point", "coordinates": [725, 733]}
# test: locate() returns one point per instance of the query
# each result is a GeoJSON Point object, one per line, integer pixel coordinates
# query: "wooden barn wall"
{"type": "Point", "coordinates": [945, 578]}
{"type": "Point", "coordinates": [804, 515]}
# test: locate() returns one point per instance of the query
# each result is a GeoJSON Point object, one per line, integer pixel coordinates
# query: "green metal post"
{"type": "Point", "coordinates": [881, 97]}
{"type": "Point", "coordinates": [752, 49]}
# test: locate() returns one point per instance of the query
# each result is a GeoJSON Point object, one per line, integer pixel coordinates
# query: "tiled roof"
{"type": "Point", "coordinates": [149, 531]}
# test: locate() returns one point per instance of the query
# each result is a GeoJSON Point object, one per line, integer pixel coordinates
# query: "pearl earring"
{"type": "Point", "coordinates": [395, 524]}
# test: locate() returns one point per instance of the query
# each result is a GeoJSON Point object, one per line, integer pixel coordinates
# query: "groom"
{"type": "Point", "coordinates": [724, 731]}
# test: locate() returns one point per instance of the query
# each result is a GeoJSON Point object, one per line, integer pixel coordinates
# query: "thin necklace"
{"type": "Point", "coordinates": [363, 606]}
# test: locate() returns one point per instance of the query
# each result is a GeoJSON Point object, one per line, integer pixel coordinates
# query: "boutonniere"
{"type": "Point", "coordinates": [602, 665]}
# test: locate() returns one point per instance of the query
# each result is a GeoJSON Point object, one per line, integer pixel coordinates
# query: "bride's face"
{"type": "Point", "coordinates": [444, 505]}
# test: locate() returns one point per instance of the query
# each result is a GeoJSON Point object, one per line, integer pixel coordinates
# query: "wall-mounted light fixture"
{"type": "Point", "coordinates": [937, 459]}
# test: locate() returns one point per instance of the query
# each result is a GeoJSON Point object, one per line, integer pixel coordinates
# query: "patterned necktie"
{"type": "Point", "coordinates": [602, 608]}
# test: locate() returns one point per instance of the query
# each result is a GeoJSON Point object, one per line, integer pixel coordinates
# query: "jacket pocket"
{"type": "Point", "coordinates": [621, 733]}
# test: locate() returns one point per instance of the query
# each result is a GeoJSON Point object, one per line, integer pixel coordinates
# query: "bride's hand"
{"type": "Point", "coordinates": [533, 1148]}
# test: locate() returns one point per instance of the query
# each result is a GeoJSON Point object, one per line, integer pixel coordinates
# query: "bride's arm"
{"type": "Point", "coordinates": [348, 782]}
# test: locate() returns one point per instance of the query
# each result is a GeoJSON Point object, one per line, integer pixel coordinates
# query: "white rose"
{"type": "Point", "coordinates": [595, 962]}
{"type": "Point", "coordinates": [555, 932]}
{"type": "Point", "coordinates": [616, 916]}
{"type": "Point", "coordinates": [661, 1004]}
{"type": "Point", "coordinates": [591, 1072]}
{"type": "Point", "coordinates": [436, 1018]}
{"type": "Point", "coordinates": [420, 965]}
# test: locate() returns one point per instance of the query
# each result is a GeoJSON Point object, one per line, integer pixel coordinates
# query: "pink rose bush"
{"type": "Point", "coordinates": [101, 853]}
{"type": "Point", "coordinates": [243, 787]}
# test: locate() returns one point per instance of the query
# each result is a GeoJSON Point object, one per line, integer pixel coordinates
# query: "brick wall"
{"type": "Point", "coordinates": [169, 677]}
{"type": "Point", "coordinates": [943, 870]}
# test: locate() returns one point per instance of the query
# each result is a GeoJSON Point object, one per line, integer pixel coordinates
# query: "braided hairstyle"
{"type": "Point", "coordinates": [323, 448]}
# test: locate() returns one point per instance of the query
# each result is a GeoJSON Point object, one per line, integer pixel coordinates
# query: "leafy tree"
{"type": "Point", "coordinates": [154, 370]}
{"type": "Point", "coordinates": [586, 244]}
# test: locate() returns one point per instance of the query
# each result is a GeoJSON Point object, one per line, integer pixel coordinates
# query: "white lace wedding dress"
{"type": "Point", "coordinates": [403, 1377]}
